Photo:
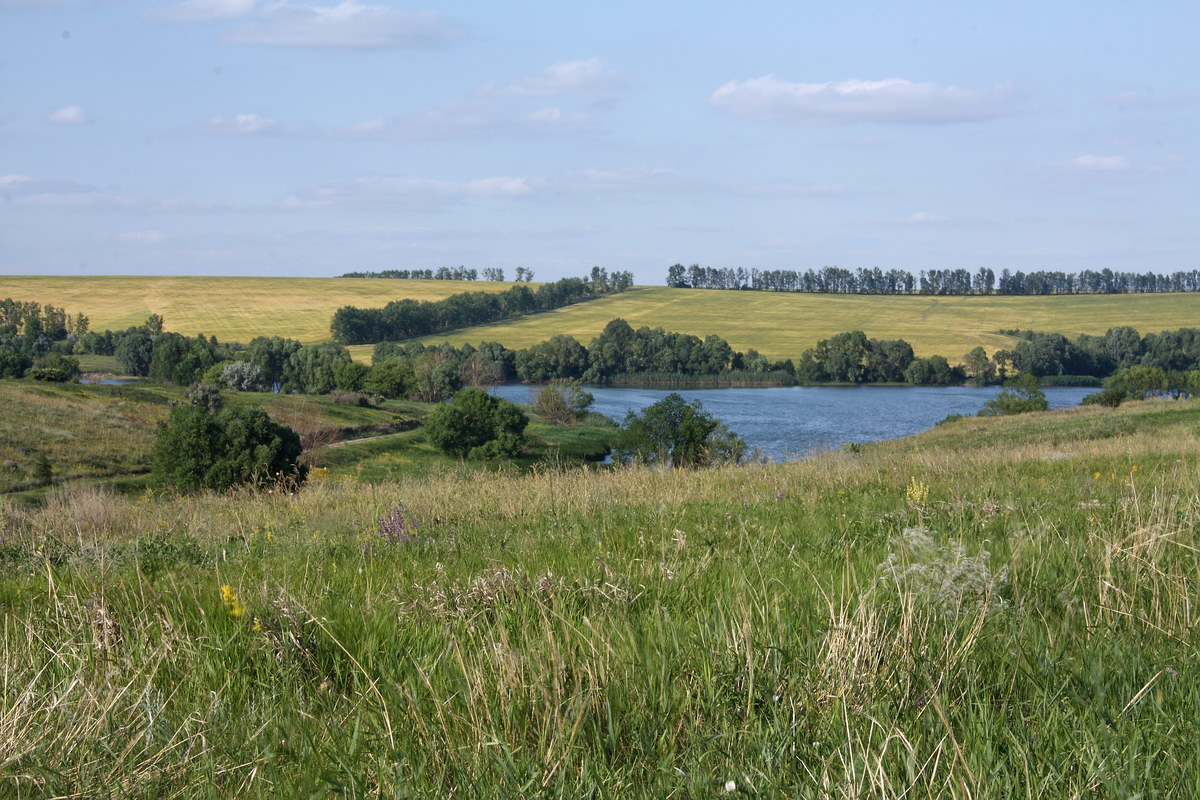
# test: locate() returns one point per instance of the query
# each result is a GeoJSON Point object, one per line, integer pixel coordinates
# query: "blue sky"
{"type": "Point", "coordinates": [295, 138]}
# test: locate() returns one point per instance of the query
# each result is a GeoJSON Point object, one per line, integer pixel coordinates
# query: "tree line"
{"type": "Point", "coordinates": [984, 281]}
{"type": "Point", "coordinates": [443, 274]}
{"type": "Point", "coordinates": [408, 318]}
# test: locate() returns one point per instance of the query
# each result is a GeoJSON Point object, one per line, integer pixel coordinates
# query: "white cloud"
{"type": "Point", "coordinates": [349, 24]}
{"type": "Point", "coordinates": [468, 117]}
{"type": "Point", "coordinates": [893, 100]}
{"type": "Point", "coordinates": [1092, 163]}
{"type": "Point", "coordinates": [143, 237]}
{"type": "Point", "coordinates": [589, 76]}
{"type": "Point", "coordinates": [922, 216]}
{"type": "Point", "coordinates": [241, 125]}
{"type": "Point", "coordinates": [410, 192]}
{"type": "Point", "coordinates": [202, 10]}
{"type": "Point", "coordinates": [68, 115]}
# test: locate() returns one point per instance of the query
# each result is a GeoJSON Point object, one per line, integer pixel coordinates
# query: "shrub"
{"type": "Point", "coordinates": [476, 425]}
{"type": "Point", "coordinates": [1019, 396]}
{"type": "Point", "coordinates": [1110, 397]}
{"type": "Point", "coordinates": [55, 368]}
{"type": "Point", "coordinates": [563, 403]}
{"type": "Point", "coordinates": [677, 433]}
{"type": "Point", "coordinates": [199, 448]}
{"type": "Point", "coordinates": [350, 398]}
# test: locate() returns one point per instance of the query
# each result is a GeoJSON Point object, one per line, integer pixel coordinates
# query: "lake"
{"type": "Point", "coordinates": [793, 421]}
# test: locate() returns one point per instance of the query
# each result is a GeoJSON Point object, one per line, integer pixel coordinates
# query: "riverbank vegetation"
{"type": "Point", "coordinates": [995, 607]}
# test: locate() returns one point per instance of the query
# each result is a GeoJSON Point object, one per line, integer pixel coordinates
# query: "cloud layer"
{"type": "Point", "coordinates": [894, 100]}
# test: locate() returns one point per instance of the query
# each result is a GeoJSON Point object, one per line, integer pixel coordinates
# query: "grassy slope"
{"type": "Point", "coordinates": [784, 325]}
{"type": "Point", "coordinates": [98, 432]}
{"type": "Point", "coordinates": [107, 432]}
{"type": "Point", "coordinates": [632, 633]}
{"type": "Point", "coordinates": [780, 325]}
{"type": "Point", "coordinates": [232, 309]}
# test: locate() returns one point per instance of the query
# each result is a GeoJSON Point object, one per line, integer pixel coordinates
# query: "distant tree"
{"type": "Point", "coordinates": [979, 366]}
{"type": "Point", "coordinates": [391, 379]}
{"type": "Point", "coordinates": [348, 376]}
{"type": "Point", "coordinates": [476, 425]}
{"type": "Point", "coordinates": [271, 354]}
{"type": "Point", "coordinates": [493, 273]}
{"type": "Point", "coordinates": [243, 376]}
{"type": "Point", "coordinates": [478, 369]}
{"type": "Point", "coordinates": [197, 448]}
{"type": "Point", "coordinates": [13, 362]}
{"type": "Point", "coordinates": [435, 377]}
{"type": "Point", "coordinates": [677, 276]}
{"type": "Point", "coordinates": [563, 402]}
{"type": "Point", "coordinates": [1138, 382]}
{"type": "Point", "coordinates": [560, 356]}
{"type": "Point", "coordinates": [134, 350]}
{"type": "Point", "coordinates": [310, 369]}
{"type": "Point", "coordinates": [55, 368]}
{"type": "Point", "coordinates": [679, 434]}
{"type": "Point", "coordinates": [1019, 396]}
{"type": "Point", "coordinates": [153, 324]}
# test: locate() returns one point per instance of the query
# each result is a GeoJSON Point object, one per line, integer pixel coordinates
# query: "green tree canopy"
{"type": "Point", "coordinates": [198, 448]}
{"type": "Point", "coordinates": [681, 434]}
{"type": "Point", "coordinates": [476, 425]}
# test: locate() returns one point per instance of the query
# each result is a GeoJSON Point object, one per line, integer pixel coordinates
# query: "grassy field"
{"type": "Point", "coordinates": [232, 309]}
{"type": "Point", "coordinates": [778, 325]}
{"type": "Point", "coordinates": [994, 609]}
{"type": "Point", "coordinates": [782, 325]}
{"type": "Point", "coordinates": [90, 433]}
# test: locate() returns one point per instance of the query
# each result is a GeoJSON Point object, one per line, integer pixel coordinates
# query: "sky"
{"type": "Point", "coordinates": [297, 138]}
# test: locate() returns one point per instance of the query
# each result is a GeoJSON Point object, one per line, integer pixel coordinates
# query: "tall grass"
{"type": "Point", "coordinates": [923, 619]}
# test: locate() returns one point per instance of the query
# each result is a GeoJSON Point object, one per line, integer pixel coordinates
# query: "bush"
{"type": "Point", "coordinates": [563, 403]}
{"type": "Point", "coordinates": [55, 368]}
{"type": "Point", "coordinates": [1019, 396]}
{"type": "Point", "coordinates": [1110, 397]}
{"type": "Point", "coordinates": [350, 398]}
{"type": "Point", "coordinates": [199, 448]}
{"type": "Point", "coordinates": [476, 425]}
{"type": "Point", "coordinates": [674, 432]}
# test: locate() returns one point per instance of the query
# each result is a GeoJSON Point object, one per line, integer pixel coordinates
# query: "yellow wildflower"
{"type": "Point", "coordinates": [917, 492]}
{"type": "Point", "coordinates": [232, 604]}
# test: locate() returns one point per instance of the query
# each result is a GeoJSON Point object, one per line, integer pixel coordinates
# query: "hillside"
{"type": "Point", "coordinates": [783, 325]}
{"type": "Point", "coordinates": [232, 309]}
{"type": "Point", "coordinates": [992, 606]}
{"type": "Point", "coordinates": [779, 325]}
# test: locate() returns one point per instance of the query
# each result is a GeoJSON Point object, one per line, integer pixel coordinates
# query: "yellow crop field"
{"type": "Point", "coordinates": [779, 325]}
{"type": "Point", "coordinates": [232, 309]}
{"type": "Point", "coordinates": [783, 325]}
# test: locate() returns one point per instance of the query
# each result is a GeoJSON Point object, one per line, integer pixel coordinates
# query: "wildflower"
{"type": "Point", "coordinates": [232, 604]}
{"type": "Point", "coordinates": [917, 492]}
{"type": "Point", "coordinates": [396, 528]}
{"type": "Point", "coordinates": [1096, 475]}
{"type": "Point", "coordinates": [257, 626]}
{"type": "Point", "coordinates": [731, 786]}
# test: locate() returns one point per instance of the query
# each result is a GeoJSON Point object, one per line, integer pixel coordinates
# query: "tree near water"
{"type": "Point", "coordinates": [476, 425]}
{"type": "Point", "coordinates": [679, 434]}
{"type": "Point", "coordinates": [1019, 396]}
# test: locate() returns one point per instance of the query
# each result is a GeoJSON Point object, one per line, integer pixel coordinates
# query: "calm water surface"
{"type": "Point", "coordinates": [793, 421]}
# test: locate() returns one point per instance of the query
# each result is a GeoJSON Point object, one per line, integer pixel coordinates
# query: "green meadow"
{"type": "Point", "coordinates": [780, 325]}
{"type": "Point", "coordinates": [996, 608]}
